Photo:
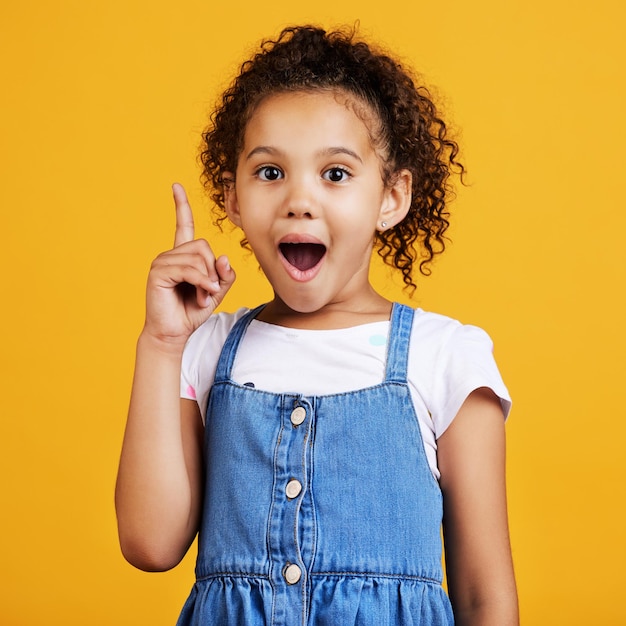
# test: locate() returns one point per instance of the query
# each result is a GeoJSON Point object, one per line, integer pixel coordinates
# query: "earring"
{"type": "Point", "coordinates": [383, 224]}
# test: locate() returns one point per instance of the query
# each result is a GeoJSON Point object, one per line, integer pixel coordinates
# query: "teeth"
{"type": "Point", "coordinates": [303, 256]}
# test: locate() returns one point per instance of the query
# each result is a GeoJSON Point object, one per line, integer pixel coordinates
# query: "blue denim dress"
{"type": "Point", "coordinates": [321, 510]}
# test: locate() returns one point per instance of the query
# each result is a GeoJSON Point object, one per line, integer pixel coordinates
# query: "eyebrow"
{"type": "Point", "coordinates": [262, 150]}
{"type": "Point", "coordinates": [342, 150]}
{"type": "Point", "coordinates": [325, 152]}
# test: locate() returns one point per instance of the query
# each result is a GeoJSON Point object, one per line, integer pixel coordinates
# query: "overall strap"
{"type": "Point", "coordinates": [398, 343]}
{"type": "Point", "coordinates": [229, 351]}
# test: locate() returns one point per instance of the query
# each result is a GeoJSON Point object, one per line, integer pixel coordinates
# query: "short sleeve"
{"type": "Point", "coordinates": [201, 354]}
{"type": "Point", "coordinates": [465, 363]}
{"type": "Point", "coordinates": [447, 361]}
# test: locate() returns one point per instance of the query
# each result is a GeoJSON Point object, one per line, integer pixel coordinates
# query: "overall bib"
{"type": "Point", "coordinates": [318, 510]}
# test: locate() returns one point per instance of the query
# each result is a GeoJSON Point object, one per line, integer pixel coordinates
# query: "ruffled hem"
{"type": "Point", "coordinates": [335, 599]}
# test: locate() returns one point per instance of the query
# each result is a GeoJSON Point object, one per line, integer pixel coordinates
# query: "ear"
{"type": "Point", "coordinates": [230, 199]}
{"type": "Point", "coordinates": [396, 200]}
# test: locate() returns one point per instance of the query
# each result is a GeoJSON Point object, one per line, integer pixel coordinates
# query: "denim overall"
{"type": "Point", "coordinates": [320, 510]}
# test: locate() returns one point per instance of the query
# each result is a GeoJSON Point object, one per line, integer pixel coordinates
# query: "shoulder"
{"type": "Point", "coordinates": [202, 353]}
{"type": "Point", "coordinates": [221, 322]}
{"type": "Point", "coordinates": [440, 334]}
{"type": "Point", "coordinates": [212, 334]}
{"type": "Point", "coordinates": [447, 361]}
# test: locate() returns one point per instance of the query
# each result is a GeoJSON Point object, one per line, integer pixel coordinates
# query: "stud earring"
{"type": "Point", "coordinates": [383, 224]}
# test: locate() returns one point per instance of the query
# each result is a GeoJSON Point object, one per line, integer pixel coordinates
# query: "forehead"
{"type": "Point", "coordinates": [314, 116]}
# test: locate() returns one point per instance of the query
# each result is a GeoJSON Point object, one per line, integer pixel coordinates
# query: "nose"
{"type": "Point", "coordinates": [300, 201]}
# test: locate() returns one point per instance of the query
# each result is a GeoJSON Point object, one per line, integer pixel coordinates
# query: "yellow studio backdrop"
{"type": "Point", "coordinates": [102, 105]}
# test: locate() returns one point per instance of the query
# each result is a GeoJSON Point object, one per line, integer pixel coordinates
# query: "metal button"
{"type": "Point", "coordinates": [298, 415]}
{"type": "Point", "coordinates": [293, 488]}
{"type": "Point", "coordinates": [291, 573]}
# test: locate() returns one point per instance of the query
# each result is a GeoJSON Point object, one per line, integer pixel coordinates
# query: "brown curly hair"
{"type": "Point", "coordinates": [411, 135]}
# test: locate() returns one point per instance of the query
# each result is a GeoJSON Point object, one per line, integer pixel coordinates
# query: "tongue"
{"type": "Point", "coordinates": [303, 256]}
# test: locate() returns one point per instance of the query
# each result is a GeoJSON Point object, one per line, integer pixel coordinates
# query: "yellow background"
{"type": "Point", "coordinates": [102, 103]}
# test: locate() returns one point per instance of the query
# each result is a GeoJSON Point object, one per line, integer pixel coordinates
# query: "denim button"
{"type": "Point", "coordinates": [298, 415]}
{"type": "Point", "coordinates": [292, 573]}
{"type": "Point", "coordinates": [293, 488]}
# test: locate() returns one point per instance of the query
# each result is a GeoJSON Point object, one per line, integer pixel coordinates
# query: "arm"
{"type": "Point", "coordinates": [471, 458]}
{"type": "Point", "coordinates": [159, 485]}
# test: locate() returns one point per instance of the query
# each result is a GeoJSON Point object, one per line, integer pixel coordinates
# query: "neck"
{"type": "Point", "coordinates": [373, 308]}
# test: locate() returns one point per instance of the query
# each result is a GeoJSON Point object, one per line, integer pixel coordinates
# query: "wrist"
{"type": "Point", "coordinates": [163, 345]}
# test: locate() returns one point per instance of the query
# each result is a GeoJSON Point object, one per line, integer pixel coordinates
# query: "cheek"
{"type": "Point", "coordinates": [256, 224]}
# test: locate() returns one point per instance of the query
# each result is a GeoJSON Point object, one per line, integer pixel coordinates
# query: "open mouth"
{"type": "Point", "coordinates": [303, 256]}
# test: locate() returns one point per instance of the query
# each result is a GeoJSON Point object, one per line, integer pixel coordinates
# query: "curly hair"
{"type": "Point", "coordinates": [410, 133]}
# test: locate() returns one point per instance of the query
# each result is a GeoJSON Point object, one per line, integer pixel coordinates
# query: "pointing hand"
{"type": "Point", "coordinates": [185, 284]}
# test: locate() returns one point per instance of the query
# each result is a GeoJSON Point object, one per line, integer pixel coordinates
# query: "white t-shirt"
{"type": "Point", "coordinates": [447, 361]}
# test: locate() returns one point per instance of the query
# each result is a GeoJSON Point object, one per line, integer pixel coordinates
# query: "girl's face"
{"type": "Point", "coordinates": [309, 196]}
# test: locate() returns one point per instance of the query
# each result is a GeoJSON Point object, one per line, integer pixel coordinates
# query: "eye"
{"type": "Point", "coordinates": [269, 173]}
{"type": "Point", "coordinates": [336, 174]}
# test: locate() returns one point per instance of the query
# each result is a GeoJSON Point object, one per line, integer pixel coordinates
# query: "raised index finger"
{"type": "Point", "coordinates": [184, 216]}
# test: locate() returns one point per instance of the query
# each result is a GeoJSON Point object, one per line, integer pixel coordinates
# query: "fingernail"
{"type": "Point", "coordinates": [215, 285]}
{"type": "Point", "coordinates": [227, 263]}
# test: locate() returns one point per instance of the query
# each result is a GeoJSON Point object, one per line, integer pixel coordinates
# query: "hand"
{"type": "Point", "coordinates": [185, 284]}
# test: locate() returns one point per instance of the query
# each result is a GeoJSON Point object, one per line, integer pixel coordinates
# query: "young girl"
{"type": "Point", "coordinates": [322, 438]}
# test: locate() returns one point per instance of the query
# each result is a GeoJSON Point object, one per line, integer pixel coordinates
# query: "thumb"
{"type": "Point", "coordinates": [226, 276]}
{"type": "Point", "coordinates": [225, 272]}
